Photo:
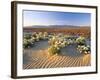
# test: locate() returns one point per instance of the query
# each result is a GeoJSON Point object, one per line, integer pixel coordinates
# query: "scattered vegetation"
{"type": "Point", "coordinates": [80, 40]}
{"type": "Point", "coordinates": [56, 41]}
{"type": "Point", "coordinates": [27, 43]}
{"type": "Point", "coordinates": [84, 49]}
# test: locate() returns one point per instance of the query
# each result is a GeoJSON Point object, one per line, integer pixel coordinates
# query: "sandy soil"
{"type": "Point", "coordinates": [41, 59]}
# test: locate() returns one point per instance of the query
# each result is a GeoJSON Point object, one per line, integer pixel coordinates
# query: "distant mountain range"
{"type": "Point", "coordinates": [55, 26]}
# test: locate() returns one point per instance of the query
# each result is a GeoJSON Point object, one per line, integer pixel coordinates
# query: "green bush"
{"type": "Point", "coordinates": [80, 41]}
{"type": "Point", "coordinates": [52, 40]}
{"type": "Point", "coordinates": [53, 50]}
{"type": "Point", "coordinates": [84, 49]}
{"type": "Point", "coordinates": [27, 36]}
{"type": "Point", "coordinates": [26, 43]}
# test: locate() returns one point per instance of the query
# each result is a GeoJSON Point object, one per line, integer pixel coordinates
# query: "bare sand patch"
{"type": "Point", "coordinates": [41, 59]}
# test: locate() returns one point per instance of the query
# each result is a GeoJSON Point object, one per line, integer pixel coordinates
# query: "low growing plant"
{"type": "Point", "coordinates": [80, 41]}
{"type": "Point", "coordinates": [52, 50]}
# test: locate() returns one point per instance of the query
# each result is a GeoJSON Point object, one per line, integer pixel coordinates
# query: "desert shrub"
{"type": "Point", "coordinates": [34, 34]}
{"type": "Point", "coordinates": [52, 50]}
{"type": "Point", "coordinates": [80, 41]}
{"type": "Point", "coordinates": [52, 40]}
{"type": "Point", "coordinates": [63, 44]}
{"type": "Point", "coordinates": [84, 49]}
{"type": "Point", "coordinates": [60, 34]}
{"type": "Point", "coordinates": [45, 36]}
{"type": "Point", "coordinates": [27, 36]}
{"type": "Point", "coordinates": [40, 35]}
{"type": "Point", "coordinates": [26, 43]}
{"type": "Point", "coordinates": [59, 41]}
{"type": "Point", "coordinates": [69, 41]}
{"type": "Point", "coordinates": [33, 39]}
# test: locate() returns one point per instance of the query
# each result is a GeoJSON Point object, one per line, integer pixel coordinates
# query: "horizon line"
{"type": "Point", "coordinates": [60, 25]}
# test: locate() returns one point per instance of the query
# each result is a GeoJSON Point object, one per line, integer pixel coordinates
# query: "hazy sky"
{"type": "Point", "coordinates": [31, 18]}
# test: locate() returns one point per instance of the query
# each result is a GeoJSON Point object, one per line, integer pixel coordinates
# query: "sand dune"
{"type": "Point", "coordinates": [41, 59]}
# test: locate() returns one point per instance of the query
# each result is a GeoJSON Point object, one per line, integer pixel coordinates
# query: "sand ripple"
{"type": "Point", "coordinates": [41, 59]}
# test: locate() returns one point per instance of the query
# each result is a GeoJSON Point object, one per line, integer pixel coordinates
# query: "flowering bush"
{"type": "Point", "coordinates": [80, 40]}
{"type": "Point", "coordinates": [53, 50]}
{"type": "Point", "coordinates": [27, 36]}
{"type": "Point", "coordinates": [56, 41]}
{"type": "Point", "coordinates": [84, 49]}
{"type": "Point", "coordinates": [27, 43]}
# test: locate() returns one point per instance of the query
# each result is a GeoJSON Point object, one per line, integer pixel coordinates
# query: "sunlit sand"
{"type": "Point", "coordinates": [41, 59]}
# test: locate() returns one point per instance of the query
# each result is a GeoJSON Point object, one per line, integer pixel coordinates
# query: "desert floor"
{"type": "Point", "coordinates": [41, 59]}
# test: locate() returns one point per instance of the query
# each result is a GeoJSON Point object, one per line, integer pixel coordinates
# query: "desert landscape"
{"type": "Point", "coordinates": [56, 39]}
{"type": "Point", "coordinates": [56, 47]}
